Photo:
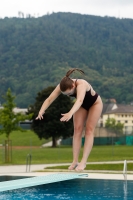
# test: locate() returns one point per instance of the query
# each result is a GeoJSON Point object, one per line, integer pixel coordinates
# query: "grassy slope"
{"type": "Point", "coordinates": [26, 138]}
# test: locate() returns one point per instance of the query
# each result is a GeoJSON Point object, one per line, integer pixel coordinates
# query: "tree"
{"type": "Point", "coordinates": [9, 121]}
{"type": "Point", "coordinates": [112, 125]}
{"type": "Point", "coordinates": [51, 126]}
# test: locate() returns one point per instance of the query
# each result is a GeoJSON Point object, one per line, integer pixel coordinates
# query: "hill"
{"type": "Point", "coordinates": [36, 52]}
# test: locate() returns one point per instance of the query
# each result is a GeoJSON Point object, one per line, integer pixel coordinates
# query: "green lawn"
{"type": "Point", "coordinates": [64, 154]}
{"type": "Point", "coordinates": [115, 167]}
{"type": "Point", "coordinates": [26, 138]}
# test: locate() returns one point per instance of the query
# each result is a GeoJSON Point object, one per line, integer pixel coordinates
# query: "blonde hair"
{"type": "Point", "coordinates": [66, 82]}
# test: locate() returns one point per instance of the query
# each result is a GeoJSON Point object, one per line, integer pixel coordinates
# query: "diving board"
{"type": "Point", "coordinates": [39, 180]}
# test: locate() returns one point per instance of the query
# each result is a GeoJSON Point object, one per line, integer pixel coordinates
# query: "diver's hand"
{"type": "Point", "coordinates": [40, 116]}
{"type": "Point", "coordinates": [66, 117]}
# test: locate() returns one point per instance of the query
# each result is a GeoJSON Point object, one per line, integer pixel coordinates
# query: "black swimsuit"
{"type": "Point", "coordinates": [89, 99]}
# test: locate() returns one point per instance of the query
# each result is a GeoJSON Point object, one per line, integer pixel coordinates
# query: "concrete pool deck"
{"type": "Point", "coordinates": [20, 170]}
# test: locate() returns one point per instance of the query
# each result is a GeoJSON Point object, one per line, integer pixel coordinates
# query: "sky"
{"type": "Point", "coordinates": [36, 8]}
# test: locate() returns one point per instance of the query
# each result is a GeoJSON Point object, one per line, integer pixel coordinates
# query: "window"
{"type": "Point", "coordinates": [126, 121]}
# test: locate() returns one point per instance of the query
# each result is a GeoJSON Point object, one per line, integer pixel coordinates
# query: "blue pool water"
{"type": "Point", "coordinates": [10, 178]}
{"type": "Point", "coordinates": [74, 190]}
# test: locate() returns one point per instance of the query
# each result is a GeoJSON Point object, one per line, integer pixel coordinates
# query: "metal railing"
{"type": "Point", "coordinates": [125, 170]}
{"type": "Point", "coordinates": [28, 162]}
{"type": "Point", "coordinates": [125, 179]}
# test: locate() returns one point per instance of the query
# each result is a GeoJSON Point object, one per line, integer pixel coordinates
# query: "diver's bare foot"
{"type": "Point", "coordinates": [80, 167]}
{"type": "Point", "coordinates": [73, 166]}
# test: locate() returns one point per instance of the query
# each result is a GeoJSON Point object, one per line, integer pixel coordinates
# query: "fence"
{"type": "Point", "coordinates": [118, 140]}
{"type": "Point", "coordinates": [104, 137]}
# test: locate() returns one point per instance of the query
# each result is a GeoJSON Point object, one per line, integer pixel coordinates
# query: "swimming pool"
{"type": "Point", "coordinates": [10, 178]}
{"type": "Point", "coordinates": [90, 189]}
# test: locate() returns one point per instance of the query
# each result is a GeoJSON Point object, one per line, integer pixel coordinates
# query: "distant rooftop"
{"type": "Point", "coordinates": [119, 109]}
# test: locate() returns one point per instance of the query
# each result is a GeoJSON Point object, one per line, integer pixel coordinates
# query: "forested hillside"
{"type": "Point", "coordinates": [36, 52]}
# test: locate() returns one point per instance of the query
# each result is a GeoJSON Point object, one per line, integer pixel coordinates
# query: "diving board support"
{"type": "Point", "coordinates": [39, 180]}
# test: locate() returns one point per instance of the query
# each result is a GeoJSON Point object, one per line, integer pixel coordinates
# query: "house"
{"type": "Point", "coordinates": [24, 124]}
{"type": "Point", "coordinates": [121, 113]}
{"type": "Point", "coordinates": [18, 110]}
